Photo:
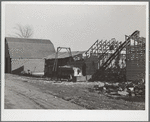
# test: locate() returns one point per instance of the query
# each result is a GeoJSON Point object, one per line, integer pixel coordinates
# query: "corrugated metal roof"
{"type": "Point", "coordinates": [64, 54]}
{"type": "Point", "coordinates": [29, 48]}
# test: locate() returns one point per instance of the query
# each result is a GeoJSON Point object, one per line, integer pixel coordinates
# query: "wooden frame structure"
{"type": "Point", "coordinates": [135, 51]}
{"type": "Point", "coordinates": [103, 50]}
{"type": "Point", "coordinates": [97, 75]}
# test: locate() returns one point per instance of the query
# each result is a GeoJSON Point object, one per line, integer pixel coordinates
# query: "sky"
{"type": "Point", "coordinates": [76, 26]}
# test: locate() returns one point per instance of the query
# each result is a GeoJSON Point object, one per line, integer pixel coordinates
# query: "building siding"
{"type": "Point", "coordinates": [26, 54]}
{"type": "Point", "coordinates": [33, 65]}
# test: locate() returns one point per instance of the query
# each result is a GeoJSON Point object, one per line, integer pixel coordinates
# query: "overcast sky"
{"type": "Point", "coordinates": [77, 26]}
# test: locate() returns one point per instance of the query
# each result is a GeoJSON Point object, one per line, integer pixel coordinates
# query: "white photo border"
{"type": "Point", "coordinates": [74, 115]}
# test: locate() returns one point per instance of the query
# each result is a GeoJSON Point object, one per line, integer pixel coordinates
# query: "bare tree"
{"type": "Point", "coordinates": [23, 31]}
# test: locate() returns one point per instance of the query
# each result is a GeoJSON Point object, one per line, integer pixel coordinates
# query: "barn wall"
{"type": "Point", "coordinates": [136, 60]}
{"type": "Point", "coordinates": [49, 63]}
{"type": "Point", "coordinates": [7, 59]}
{"type": "Point", "coordinates": [77, 63]}
{"type": "Point", "coordinates": [7, 65]}
{"type": "Point", "coordinates": [91, 64]}
{"type": "Point", "coordinates": [34, 65]}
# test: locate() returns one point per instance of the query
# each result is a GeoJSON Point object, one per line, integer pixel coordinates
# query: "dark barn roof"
{"type": "Point", "coordinates": [29, 48]}
{"type": "Point", "coordinates": [64, 54]}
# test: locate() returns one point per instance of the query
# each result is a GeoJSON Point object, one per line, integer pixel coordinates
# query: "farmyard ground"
{"type": "Point", "coordinates": [23, 92]}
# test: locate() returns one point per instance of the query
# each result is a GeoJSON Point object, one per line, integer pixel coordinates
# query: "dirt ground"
{"type": "Point", "coordinates": [19, 94]}
{"type": "Point", "coordinates": [23, 92]}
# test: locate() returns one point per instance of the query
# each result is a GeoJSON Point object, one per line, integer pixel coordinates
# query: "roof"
{"type": "Point", "coordinates": [64, 54]}
{"type": "Point", "coordinates": [29, 48]}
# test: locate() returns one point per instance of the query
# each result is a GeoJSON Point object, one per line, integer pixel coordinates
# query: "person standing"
{"type": "Point", "coordinates": [84, 69]}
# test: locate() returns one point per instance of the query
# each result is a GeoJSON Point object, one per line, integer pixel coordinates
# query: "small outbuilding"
{"type": "Point", "coordinates": [26, 54]}
{"type": "Point", "coordinates": [63, 59]}
{"type": "Point", "coordinates": [77, 60]}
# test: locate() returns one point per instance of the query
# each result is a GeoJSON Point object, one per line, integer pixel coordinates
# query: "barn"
{"type": "Point", "coordinates": [26, 54]}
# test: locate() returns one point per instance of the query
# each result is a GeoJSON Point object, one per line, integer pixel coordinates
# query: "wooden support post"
{"type": "Point", "coordinates": [97, 49]}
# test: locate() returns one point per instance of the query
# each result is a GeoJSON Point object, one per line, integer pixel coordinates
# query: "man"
{"type": "Point", "coordinates": [84, 69]}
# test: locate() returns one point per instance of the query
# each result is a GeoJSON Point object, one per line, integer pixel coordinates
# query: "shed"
{"type": "Point", "coordinates": [63, 59]}
{"type": "Point", "coordinates": [26, 54]}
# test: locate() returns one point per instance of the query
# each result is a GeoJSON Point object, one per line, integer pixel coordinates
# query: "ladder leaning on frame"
{"type": "Point", "coordinates": [55, 66]}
